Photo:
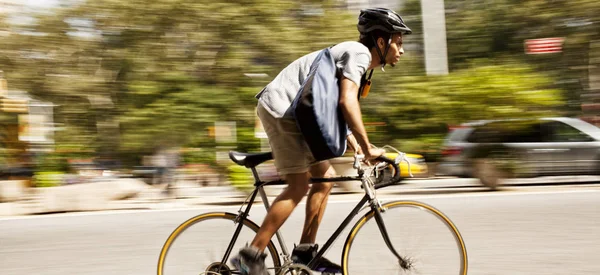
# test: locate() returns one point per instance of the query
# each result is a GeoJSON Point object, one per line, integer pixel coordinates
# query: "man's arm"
{"type": "Point", "coordinates": [353, 144]}
{"type": "Point", "coordinates": [353, 116]}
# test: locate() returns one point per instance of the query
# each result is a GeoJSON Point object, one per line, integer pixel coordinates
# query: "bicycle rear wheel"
{"type": "Point", "coordinates": [198, 246]}
{"type": "Point", "coordinates": [421, 234]}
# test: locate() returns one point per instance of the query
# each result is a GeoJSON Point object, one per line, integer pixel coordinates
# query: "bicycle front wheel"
{"type": "Point", "coordinates": [199, 245]}
{"type": "Point", "coordinates": [423, 236]}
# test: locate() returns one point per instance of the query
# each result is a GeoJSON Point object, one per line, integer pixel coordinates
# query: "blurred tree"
{"type": "Point", "coordinates": [418, 110]}
{"type": "Point", "coordinates": [424, 102]}
{"type": "Point", "coordinates": [131, 75]}
{"type": "Point", "coordinates": [493, 29]}
{"type": "Point", "coordinates": [128, 76]}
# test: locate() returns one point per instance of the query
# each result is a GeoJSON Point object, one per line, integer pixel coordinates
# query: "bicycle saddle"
{"type": "Point", "coordinates": [249, 159]}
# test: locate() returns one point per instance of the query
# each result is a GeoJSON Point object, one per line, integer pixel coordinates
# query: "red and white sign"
{"type": "Point", "coordinates": [544, 45]}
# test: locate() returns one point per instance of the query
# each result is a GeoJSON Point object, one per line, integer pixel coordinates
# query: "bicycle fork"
{"type": "Point", "coordinates": [404, 263]}
{"type": "Point", "coordinates": [377, 210]}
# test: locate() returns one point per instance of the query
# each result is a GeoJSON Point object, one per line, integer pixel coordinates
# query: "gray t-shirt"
{"type": "Point", "coordinates": [352, 59]}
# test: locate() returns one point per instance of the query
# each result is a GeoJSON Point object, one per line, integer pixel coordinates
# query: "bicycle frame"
{"type": "Point", "coordinates": [369, 197]}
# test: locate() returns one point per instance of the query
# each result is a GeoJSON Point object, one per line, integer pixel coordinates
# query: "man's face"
{"type": "Point", "coordinates": [395, 51]}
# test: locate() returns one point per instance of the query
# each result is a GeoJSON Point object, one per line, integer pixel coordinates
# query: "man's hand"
{"type": "Point", "coordinates": [373, 153]}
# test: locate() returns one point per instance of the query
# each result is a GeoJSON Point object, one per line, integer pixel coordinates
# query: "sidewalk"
{"type": "Point", "coordinates": [117, 194]}
{"type": "Point", "coordinates": [126, 193]}
{"type": "Point", "coordinates": [112, 194]}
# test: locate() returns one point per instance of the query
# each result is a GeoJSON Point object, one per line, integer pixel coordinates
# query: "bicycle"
{"type": "Point", "coordinates": [405, 261]}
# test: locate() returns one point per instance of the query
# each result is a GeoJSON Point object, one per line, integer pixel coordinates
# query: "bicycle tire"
{"type": "Point", "coordinates": [271, 249]}
{"type": "Point", "coordinates": [380, 252]}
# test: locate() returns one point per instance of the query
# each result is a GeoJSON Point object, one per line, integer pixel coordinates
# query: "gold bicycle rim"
{"type": "Point", "coordinates": [431, 209]}
{"type": "Point", "coordinates": [199, 218]}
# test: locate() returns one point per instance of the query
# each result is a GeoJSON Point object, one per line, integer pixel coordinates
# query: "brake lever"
{"type": "Point", "coordinates": [399, 158]}
{"type": "Point", "coordinates": [408, 165]}
{"type": "Point", "coordinates": [402, 157]}
{"type": "Point", "coordinates": [357, 160]}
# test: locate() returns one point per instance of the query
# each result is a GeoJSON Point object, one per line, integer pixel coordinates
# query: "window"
{"type": "Point", "coordinates": [561, 132]}
{"type": "Point", "coordinates": [513, 131]}
{"type": "Point", "coordinates": [459, 134]}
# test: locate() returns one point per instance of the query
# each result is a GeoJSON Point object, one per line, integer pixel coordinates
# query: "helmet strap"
{"type": "Point", "coordinates": [381, 59]}
{"type": "Point", "coordinates": [382, 56]}
{"type": "Point", "coordinates": [387, 48]}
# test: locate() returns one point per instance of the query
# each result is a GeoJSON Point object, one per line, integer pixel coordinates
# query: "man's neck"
{"type": "Point", "coordinates": [375, 60]}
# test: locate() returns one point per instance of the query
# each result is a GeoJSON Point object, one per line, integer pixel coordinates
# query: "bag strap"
{"type": "Point", "coordinates": [365, 85]}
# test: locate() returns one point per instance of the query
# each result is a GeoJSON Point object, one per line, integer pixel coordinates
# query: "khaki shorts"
{"type": "Point", "coordinates": [290, 151]}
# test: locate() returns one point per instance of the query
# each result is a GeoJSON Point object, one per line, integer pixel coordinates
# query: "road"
{"type": "Point", "coordinates": [521, 230]}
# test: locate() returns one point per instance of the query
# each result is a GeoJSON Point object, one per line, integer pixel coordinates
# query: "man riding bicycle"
{"type": "Point", "coordinates": [381, 34]}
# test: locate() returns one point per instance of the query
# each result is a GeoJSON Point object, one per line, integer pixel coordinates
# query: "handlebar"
{"type": "Point", "coordinates": [384, 162]}
{"type": "Point", "coordinates": [395, 178]}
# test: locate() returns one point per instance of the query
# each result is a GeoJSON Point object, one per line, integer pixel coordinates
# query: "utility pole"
{"type": "Point", "coordinates": [434, 37]}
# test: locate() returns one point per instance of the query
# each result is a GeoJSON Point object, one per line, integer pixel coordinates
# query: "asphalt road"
{"type": "Point", "coordinates": [522, 230]}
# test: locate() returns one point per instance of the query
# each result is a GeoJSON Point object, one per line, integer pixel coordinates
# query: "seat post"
{"type": "Point", "coordinates": [255, 174]}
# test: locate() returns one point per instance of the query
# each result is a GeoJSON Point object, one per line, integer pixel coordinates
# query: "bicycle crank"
{"type": "Point", "coordinates": [217, 269]}
{"type": "Point", "coordinates": [295, 269]}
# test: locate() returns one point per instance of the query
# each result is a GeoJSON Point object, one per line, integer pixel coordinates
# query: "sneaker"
{"type": "Point", "coordinates": [304, 253]}
{"type": "Point", "coordinates": [250, 261]}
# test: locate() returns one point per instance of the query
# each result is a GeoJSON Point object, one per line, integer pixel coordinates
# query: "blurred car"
{"type": "Point", "coordinates": [418, 165]}
{"type": "Point", "coordinates": [539, 147]}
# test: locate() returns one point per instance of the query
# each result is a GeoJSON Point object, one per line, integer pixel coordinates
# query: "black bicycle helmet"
{"type": "Point", "coordinates": [381, 19]}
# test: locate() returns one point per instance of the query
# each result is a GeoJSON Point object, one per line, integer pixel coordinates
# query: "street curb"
{"type": "Point", "coordinates": [132, 194]}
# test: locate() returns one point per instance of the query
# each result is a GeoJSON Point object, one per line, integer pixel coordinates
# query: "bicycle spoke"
{"type": "Point", "coordinates": [421, 238]}
{"type": "Point", "coordinates": [200, 248]}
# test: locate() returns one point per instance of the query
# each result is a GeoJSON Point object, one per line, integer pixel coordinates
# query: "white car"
{"type": "Point", "coordinates": [540, 147]}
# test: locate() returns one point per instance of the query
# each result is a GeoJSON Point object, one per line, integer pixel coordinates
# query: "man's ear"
{"type": "Point", "coordinates": [381, 43]}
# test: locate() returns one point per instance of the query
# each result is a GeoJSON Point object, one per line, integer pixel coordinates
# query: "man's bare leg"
{"type": "Point", "coordinates": [316, 201]}
{"type": "Point", "coordinates": [284, 204]}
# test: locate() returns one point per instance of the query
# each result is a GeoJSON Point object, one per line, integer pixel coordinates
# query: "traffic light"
{"type": "Point", "coordinates": [10, 105]}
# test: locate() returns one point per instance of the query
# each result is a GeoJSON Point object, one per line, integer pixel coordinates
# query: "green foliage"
{"type": "Point", "coordinates": [246, 142]}
{"type": "Point", "coordinates": [4, 157]}
{"type": "Point", "coordinates": [429, 146]}
{"type": "Point", "coordinates": [141, 75]}
{"type": "Point", "coordinates": [199, 155]}
{"type": "Point", "coordinates": [50, 169]}
{"type": "Point", "coordinates": [418, 110]}
{"type": "Point", "coordinates": [52, 162]}
{"type": "Point", "coordinates": [47, 179]}
{"type": "Point", "coordinates": [492, 29]}
{"type": "Point", "coordinates": [241, 178]}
